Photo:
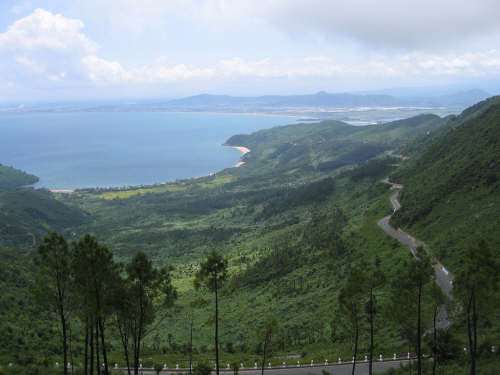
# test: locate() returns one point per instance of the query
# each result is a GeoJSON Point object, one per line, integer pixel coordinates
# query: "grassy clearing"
{"type": "Point", "coordinates": [124, 194]}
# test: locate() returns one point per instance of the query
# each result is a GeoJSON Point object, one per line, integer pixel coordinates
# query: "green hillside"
{"type": "Point", "coordinates": [328, 145]}
{"type": "Point", "coordinates": [26, 215]}
{"type": "Point", "coordinates": [293, 222]}
{"type": "Point", "coordinates": [11, 178]}
{"type": "Point", "coordinates": [451, 197]}
{"type": "Point", "coordinates": [27, 329]}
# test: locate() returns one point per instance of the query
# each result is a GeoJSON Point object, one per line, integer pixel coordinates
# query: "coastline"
{"type": "Point", "coordinates": [244, 150]}
{"type": "Point", "coordinates": [69, 188]}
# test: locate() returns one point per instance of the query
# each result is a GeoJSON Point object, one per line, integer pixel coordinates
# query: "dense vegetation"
{"type": "Point", "coordinates": [451, 198]}
{"type": "Point", "coordinates": [294, 223]}
{"type": "Point", "coordinates": [11, 178]}
{"type": "Point", "coordinates": [27, 215]}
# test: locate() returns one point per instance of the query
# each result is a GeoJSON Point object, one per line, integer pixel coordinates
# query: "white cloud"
{"type": "Point", "coordinates": [393, 25]}
{"type": "Point", "coordinates": [50, 50]}
{"type": "Point", "coordinates": [100, 70]}
{"type": "Point", "coordinates": [103, 71]}
{"type": "Point", "coordinates": [396, 24]}
{"type": "Point", "coordinates": [44, 49]}
{"type": "Point", "coordinates": [44, 30]}
{"type": "Point", "coordinates": [161, 71]}
{"type": "Point", "coordinates": [31, 64]}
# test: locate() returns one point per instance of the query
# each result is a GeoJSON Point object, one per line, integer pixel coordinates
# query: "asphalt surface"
{"type": "Point", "coordinates": [334, 369]}
{"type": "Point", "coordinates": [444, 278]}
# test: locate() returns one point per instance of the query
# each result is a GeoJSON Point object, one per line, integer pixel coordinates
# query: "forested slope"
{"type": "Point", "coordinates": [11, 178]}
{"type": "Point", "coordinates": [328, 145]}
{"type": "Point", "coordinates": [451, 197]}
{"type": "Point", "coordinates": [26, 215]}
{"type": "Point", "coordinates": [293, 222]}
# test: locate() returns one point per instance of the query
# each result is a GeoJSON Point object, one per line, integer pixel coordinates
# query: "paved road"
{"type": "Point", "coordinates": [335, 369]}
{"type": "Point", "coordinates": [443, 277]}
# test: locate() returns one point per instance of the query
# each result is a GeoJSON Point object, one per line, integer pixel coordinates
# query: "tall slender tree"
{"type": "Point", "coordinates": [375, 279]}
{"type": "Point", "coordinates": [95, 275]}
{"type": "Point", "coordinates": [407, 298]}
{"type": "Point", "coordinates": [351, 300]}
{"type": "Point", "coordinates": [438, 300]}
{"type": "Point", "coordinates": [147, 291]}
{"type": "Point", "coordinates": [212, 274]}
{"type": "Point", "coordinates": [53, 281]}
{"type": "Point", "coordinates": [265, 334]}
{"type": "Point", "coordinates": [474, 289]}
{"type": "Point", "coordinates": [124, 317]}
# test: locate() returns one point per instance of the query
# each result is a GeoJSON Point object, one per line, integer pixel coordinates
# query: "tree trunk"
{"type": "Point", "coordinates": [91, 331]}
{"type": "Point", "coordinates": [216, 329]}
{"type": "Point", "coordinates": [473, 344]}
{"type": "Point", "coordinates": [98, 360]}
{"type": "Point", "coordinates": [124, 339]}
{"type": "Point", "coordinates": [191, 345]}
{"type": "Point", "coordinates": [139, 329]}
{"type": "Point", "coordinates": [356, 334]}
{"type": "Point", "coordinates": [127, 361]}
{"type": "Point", "coordinates": [264, 357]}
{"type": "Point", "coordinates": [419, 328]}
{"type": "Point", "coordinates": [136, 358]}
{"type": "Point", "coordinates": [409, 351]}
{"type": "Point", "coordinates": [372, 316]}
{"type": "Point", "coordinates": [71, 349]}
{"type": "Point", "coordinates": [434, 348]}
{"type": "Point", "coordinates": [65, 339]}
{"type": "Point", "coordinates": [136, 354]}
{"type": "Point", "coordinates": [104, 353]}
{"type": "Point", "coordinates": [86, 354]}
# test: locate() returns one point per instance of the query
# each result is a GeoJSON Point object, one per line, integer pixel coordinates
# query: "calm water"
{"type": "Point", "coordinates": [96, 149]}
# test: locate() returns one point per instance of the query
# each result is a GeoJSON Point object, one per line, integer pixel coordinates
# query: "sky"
{"type": "Point", "coordinates": [129, 49]}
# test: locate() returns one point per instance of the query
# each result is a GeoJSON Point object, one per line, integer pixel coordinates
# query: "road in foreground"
{"type": "Point", "coordinates": [335, 369]}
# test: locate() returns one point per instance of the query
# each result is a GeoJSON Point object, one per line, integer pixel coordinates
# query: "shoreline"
{"type": "Point", "coordinates": [244, 150]}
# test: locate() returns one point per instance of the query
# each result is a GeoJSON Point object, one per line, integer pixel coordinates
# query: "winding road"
{"type": "Point", "coordinates": [444, 278]}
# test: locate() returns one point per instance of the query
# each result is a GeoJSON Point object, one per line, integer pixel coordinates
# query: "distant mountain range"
{"type": "Point", "coordinates": [354, 108]}
{"type": "Point", "coordinates": [324, 100]}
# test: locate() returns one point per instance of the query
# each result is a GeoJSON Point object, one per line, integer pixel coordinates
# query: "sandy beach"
{"type": "Point", "coordinates": [242, 149]}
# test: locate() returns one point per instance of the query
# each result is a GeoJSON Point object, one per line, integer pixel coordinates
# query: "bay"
{"type": "Point", "coordinates": [110, 149]}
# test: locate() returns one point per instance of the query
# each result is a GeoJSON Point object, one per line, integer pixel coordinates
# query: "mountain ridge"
{"type": "Point", "coordinates": [329, 100]}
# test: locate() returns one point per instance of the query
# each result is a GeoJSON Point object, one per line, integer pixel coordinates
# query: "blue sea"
{"type": "Point", "coordinates": [108, 149]}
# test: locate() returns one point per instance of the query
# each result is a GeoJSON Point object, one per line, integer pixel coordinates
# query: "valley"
{"type": "Point", "coordinates": [307, 209]}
